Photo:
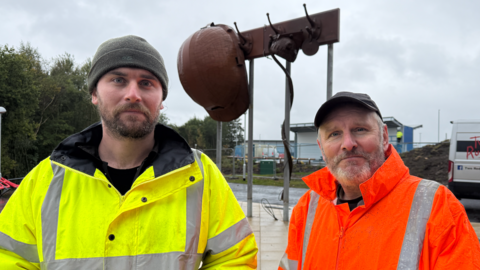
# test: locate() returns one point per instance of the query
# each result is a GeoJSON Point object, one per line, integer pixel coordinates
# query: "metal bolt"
{"type": "Point", "coordinates": [144, 199]}
{"type": "Point", "coordinates": [192, 178]}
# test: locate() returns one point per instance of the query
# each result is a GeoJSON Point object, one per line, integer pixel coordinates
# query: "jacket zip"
{"type": "Point", "coordinates": [339, 238]}
{"type": "Point", "coordinates": [339, 244]}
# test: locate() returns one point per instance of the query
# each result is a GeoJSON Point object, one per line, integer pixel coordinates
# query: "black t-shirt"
{"type": "Point", "coordinates": [352, 204]}
{"type": "Point", "coordinates": [122, 180]}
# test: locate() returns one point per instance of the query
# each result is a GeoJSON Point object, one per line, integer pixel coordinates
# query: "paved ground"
{"type": "Point", "coordinates": [270, 234]}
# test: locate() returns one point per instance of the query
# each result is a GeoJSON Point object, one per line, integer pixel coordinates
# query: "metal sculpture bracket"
{"type": "Point", "coordinates": [308, 33]}
{"type": "Point", "coordinates": [284, 39]}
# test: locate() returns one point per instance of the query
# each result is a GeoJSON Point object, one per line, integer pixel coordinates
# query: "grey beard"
{"type": "Point", "coordinates": [359, 174]}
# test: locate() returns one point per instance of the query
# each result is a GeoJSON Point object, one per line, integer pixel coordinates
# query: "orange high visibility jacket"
{"type": "Point", "coordinates": [404, 222]}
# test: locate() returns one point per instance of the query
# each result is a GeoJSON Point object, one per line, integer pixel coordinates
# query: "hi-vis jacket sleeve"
{"type": "Point", "coordinates": [450, 241]}
{"type": "Point", "coordinates": [18, 243]}
{"type": "Point", "coordinates": [293, 253]}
{"type": "Point", "coordinates": [231, 243]}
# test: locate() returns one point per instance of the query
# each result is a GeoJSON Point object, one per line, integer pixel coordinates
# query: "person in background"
{"type": "Point", "coordinates": [399, 135]}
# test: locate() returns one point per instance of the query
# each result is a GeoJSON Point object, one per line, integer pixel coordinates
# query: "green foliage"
{"type": "Point", "coordinates": [203, 132]}
{"type": "Point", "coordinates": [45, 104]}
{"type": "Point", "coordinates": [49, 101]}
{"type": "Point", "coordinates": [163, 119]}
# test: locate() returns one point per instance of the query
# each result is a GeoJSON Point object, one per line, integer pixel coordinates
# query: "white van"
{"type": "Point", "coordinates": [464, 159]}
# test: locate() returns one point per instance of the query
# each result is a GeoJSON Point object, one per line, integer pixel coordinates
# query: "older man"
{"type": "Point", "coordinates": [365, 211]}
{"type": "Point", "coordinates": [127, 192]}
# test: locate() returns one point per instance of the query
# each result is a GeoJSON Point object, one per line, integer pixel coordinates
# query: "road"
{"type": "Point", "coordinates": [473, 209]}
{"type": "Point", "coordinates": [268, 192]}
{"type": "Point", "coordinates": [271, 194]}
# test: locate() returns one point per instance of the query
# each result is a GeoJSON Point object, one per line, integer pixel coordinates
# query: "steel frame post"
{"type": "Point", "coordinates": [286, 171]}
{"type": "Point", "coordinates": [250, 142]}
{"type": "Point", "coordinates": [219, 145]}
{"type": "Point", "coordinates": [244, 144]}
{"type": "Point", "coordinates": [330, 71]}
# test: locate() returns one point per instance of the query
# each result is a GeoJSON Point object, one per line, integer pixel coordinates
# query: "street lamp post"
{"type": "Point", "coordinates": [2, 111]}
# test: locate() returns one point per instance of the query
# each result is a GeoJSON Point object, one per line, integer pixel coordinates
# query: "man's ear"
{"type": "Point", "coordinates": [94, 96]}
{"type": "Point", "coordinates": [385, 138]}
{"type": "Point", "coordinates": [320, 146]}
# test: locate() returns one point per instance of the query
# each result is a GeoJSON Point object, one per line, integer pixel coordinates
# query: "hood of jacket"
{"type": "Point", "coordinates": [173, 150]}
{"type": "Point", "coordinates": [374, 189]}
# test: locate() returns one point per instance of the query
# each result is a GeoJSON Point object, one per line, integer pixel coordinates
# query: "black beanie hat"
{"type": "Point", "coordinates": [127, 51]}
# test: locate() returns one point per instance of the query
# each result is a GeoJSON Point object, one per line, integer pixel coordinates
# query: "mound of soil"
{"type": "Point", "coordinates": [429, 162]}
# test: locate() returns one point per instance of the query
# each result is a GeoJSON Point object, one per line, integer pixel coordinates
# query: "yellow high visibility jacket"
{"type": "Point", "coordinates": [179, 214]}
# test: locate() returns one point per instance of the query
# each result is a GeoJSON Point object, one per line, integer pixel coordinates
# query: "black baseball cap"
{"type": "Point", "coordinates": [345, 97]}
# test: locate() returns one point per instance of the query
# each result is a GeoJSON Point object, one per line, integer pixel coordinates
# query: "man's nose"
{"type": "Point", "coordinates": [349, 142]}
{"type": "Point", "coordinates": [133, 92]}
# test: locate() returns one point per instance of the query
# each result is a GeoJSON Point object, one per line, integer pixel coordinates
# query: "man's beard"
{"type": "Point", "coordinates": [354, 174]}
{"type": "Point", "coordinates": [129, 128]}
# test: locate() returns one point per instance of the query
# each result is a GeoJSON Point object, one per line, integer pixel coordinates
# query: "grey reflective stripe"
{"type": "Point", "coordinates": [229, 238]}
{"type": "Point", "coordinates": [194, 211]}
{"type": "Point", "coordinates": [50, 210]}
{"type": "Point", "coordinates": [171, 260]}
{"type": "Point", "coordinates": [27, 251]}
{"type": "Point", "coordinates": [417, 223]}
{"type": "Point", "coordinates": [312, 209]}
{"type": "Point", "coordinates": [287, 264]}
{"type": "Point", "coordinates": [198, 157]}
{"type": "Point", "coordinates": [194, 216]}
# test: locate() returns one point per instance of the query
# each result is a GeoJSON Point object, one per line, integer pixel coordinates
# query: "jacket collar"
{"type": "Point", "coordinates": [374, 189]}
{"type": "Point", "coordinates": [76, 152]}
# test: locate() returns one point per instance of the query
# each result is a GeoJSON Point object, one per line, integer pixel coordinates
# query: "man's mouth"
{"type": "Point", "coordinates": [349, 157]}
{"type": "Point", "coordinates": [133, 111]}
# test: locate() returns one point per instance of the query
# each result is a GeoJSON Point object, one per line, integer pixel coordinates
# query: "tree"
{"type": "Point", "coordinates": [163, 119]}
{"type": "Point", "coordinates": [203, 133]}
{"type": "Point", "coordinates": [45, 104]}
{"type": "Point", "coordinates": [19, 95]}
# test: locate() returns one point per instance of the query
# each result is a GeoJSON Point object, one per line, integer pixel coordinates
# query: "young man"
{"type": "Point", "coordinates": [125, 193]}
{"type": "Point", "coordinates": [365, 211]}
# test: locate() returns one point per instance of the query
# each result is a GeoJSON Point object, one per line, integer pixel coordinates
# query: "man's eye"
{"type": "Point", "coordinates": [333, 134]}
{"type": "Point", "coordinates": [146, 83]}
{"type": "Point", "coordinates": [118, 80]}
{"type": "Point", "coordinates": [361, 129]}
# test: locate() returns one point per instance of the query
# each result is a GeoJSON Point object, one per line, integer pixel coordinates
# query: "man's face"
{"type": "Point", "coordinates": [352, 144]}
{"type": "Point", "coordinates": [129, 101]}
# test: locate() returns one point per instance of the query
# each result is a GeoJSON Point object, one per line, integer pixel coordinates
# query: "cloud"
{"type": "Point", "coordinates": [412, 57]}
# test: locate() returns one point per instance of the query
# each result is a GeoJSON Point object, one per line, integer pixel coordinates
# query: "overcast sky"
{"type": "Point", "coordinates": [412, 57]}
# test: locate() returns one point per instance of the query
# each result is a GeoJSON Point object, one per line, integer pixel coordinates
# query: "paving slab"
{"type": "Point", "coordinates": [271, 235]}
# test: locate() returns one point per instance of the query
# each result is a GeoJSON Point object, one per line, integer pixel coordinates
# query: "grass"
{"type": "Point", "coordinates": [266, 181]}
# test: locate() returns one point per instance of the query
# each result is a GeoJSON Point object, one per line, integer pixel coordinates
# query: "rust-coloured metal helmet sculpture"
{"type": "Point", "coordinates": [211, 66]}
